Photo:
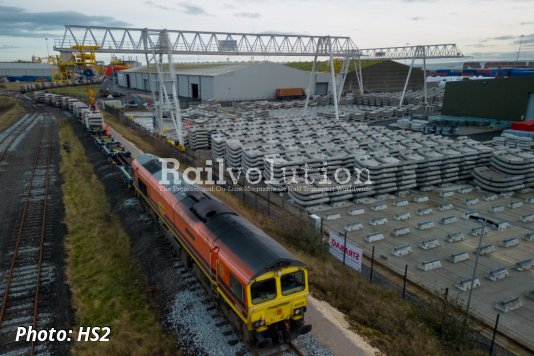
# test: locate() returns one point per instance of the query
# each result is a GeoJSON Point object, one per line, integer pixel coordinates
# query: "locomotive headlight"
{"type": "Point", "coordinates": [258, 323]}
{"type": "Point", "coordinates": [299, 311]}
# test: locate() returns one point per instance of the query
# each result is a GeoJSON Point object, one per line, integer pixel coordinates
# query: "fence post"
{"type": "Point", "coordinates": [446, 298]}
{"type": "Point", "coordinates": [404, 282]}
{"type": "Point", "coordinates": [494, 334]}
{"type": "Point", "coordinates": [268, 202]}
{"type": "Point", "coordinates": [344, 246]}
{"type": "Point", "coordinates": [372, 264]}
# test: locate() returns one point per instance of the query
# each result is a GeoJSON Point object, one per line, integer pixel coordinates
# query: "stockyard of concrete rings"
{"type": "Point", "coordinates": [439, 264]}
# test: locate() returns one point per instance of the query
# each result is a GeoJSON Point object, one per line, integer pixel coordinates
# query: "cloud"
{"type": "Point", "coordinates": [249, 15]}
{"type": "Point", "coordinates": [526, 23]}
{"type": "Point", "coordinates": [159, 6]}
{"type": "Point", "coordinates": [5, 46]}
{"type": "Point", "coordinates": [18, 22]}
{"type": "Point", "coordinates": [193, 9]}
{"type": "Point", "coordinates": [417, 18]}
{"type": "Point", "coordinates": [479, 45]}
{"type": "Point", "coordinates": [503, 38]}
{"type": "Point", "coordinates": [527, 39]}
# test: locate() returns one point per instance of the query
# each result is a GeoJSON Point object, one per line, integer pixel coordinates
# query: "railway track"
{"type": "Point", "coordinates": [9, 139]}
{"type": "Point", "coordinates": [26, 273]}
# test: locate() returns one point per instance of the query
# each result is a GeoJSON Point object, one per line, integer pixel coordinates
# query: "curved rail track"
{"type": "Point", "coordinates": [26, 276]}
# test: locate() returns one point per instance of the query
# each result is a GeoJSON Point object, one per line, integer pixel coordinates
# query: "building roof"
{"type": "Point", "coordinates": [200, 69]}
{"type": "Point", "coordinates": [24, 65]}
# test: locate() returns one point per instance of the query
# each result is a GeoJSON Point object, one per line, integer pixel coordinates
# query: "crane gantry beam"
{"type": "Point", "coordinates": [433, 51]}
{"type": "Point", "coordinates": [132, 40]}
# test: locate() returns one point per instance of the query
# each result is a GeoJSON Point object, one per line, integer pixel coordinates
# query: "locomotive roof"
{"type": "Point", "coordinates": [258, 251]}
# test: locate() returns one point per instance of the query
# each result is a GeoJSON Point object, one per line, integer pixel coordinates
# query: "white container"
{"type": "Point", "coordinates": [401, 250]}
{"type": "Point", "coordinates": [455, 237]}
{"type": "Point", "coordinates": [446, 206]}
{"type": "Point", "coordinates": [459, 257]}
{"type": "Point", "coordinates": [485, 250]}
{"type": "Point", "coordinates": [353, 226]}
{"type": "Point", "coordinates": [400, 202]}
{"type": "Point", "coordinates": [468, 283]}
{"type": "Point", "coordinates": [429, 265]}
{"type": "Point", "coordinates": [420, 198]}
{"type": "Point", "coordinates": [515, 204]}
{"type": "Point", "coordinates": [509, 242]}
{"type": "Point", "coordinates": [527, 218]}
{"type": "Point", "coordinates": [402, 216]}
{"type": "Point", "coordinates": [496, 209]}
{"type": "Point", "coordinates": [356, 211]}
{"type": "Point", "coordinates": [429, 244]}
{"type": "Point", "coordinates": [524, 265]}
{"type": "Point", "coordinates": [489, 197]}
{"type": "Point", "coordinates": [377, 236]}
{"type": "Point", "coordinates": [401, 231]}
{"type": "Point", "coordinates": [508, 305]}
{"type": "Point", "coordinates": [424, 211]}
{"type": "Point", "coordinates": [379, 221]}
{"type": "Point", "coordinates": [379, 207]}
{"type": "Point", "coordinates": [497, 274]}
{"type": "Point", "coordinates": [425, 225]}
{"type": "Point", "coordinates": [333, 216]}
{"type": "Point", "coordinates": [449, 220]}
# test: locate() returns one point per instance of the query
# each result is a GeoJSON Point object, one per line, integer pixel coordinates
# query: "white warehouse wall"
{"type": "Point", "coordinates": [260, 81]}
{"type": "Point", "coordinates": [251, 82]}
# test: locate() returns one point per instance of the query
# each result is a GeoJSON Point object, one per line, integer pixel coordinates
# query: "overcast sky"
{"type": "Point", "coordinates": [485, 29]}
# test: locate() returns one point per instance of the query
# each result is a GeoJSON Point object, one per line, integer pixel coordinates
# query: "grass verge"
{"type": "Point", "coordinates": [78, 91]}
{"type": "Point", "coordinates": [106, 283]}
{"type": "Point", "coordinates": [10, 111]}
{"type": "Point", "coordinates": [394, 325]}
{"type": "Point", "coordinates": [324, 66]}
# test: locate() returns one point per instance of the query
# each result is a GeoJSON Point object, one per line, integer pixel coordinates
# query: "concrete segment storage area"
{"type": "Point", "coordinates": [445, 254]}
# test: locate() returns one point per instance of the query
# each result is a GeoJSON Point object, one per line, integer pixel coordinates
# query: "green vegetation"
{"type": "Point", "coordinates": [394, 325]}
{"type": "Point", "coordinates": [10, 111]}
{"type": "Point", "coordinates": [12, 86]}
{"type": "Point", "coordinates": [78, 91]}
{"type": "Point", "coordinates": [106, 283]}
{"type": "Point", "coordinates": [324, 66]}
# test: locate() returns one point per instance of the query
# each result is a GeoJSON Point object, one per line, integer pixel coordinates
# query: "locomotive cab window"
{"type": "Point", "coordinates": [292, 282]}
{"type": "Point", "coordinates": [263, 291]}
{"type": "Point", "coordinates": [237, 288]}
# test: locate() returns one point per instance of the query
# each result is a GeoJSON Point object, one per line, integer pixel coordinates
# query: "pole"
{"type": "Point", "coordinates": [408, 76]}
{"type": "Point", "coordinates": [474, 271]}
{"type": "Point", "coordinates": [519, 50]}
{"type": "Point", "coordinates": [333, 78]}
{"type": "Point", "coordinates": [311, 84]}
{"type": "Point", "coordinates": [404, 282]}
{"type": "Point", "coordinates": [268, 202]}
{"type": "Point", "coordinates": [494, 334]}
{"type": "Point", "coordinates": [372, 264]}
{"type": "Point", "coordinates": [424, 79]}
{"type": "Point", "coordinates": [344, 246]}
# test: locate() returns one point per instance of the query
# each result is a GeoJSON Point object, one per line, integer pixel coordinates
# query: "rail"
{"type": "Point", "coordinates": [29, 244]}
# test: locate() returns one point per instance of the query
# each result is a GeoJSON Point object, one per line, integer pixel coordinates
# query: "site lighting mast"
{"type": "Point", "coordinates": [519, 49]}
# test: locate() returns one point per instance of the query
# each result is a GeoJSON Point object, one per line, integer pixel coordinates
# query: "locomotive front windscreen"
{"type": "Point", "coordinates": [263, 291]}
{"type": "Point", "coordinates": [292, 282]}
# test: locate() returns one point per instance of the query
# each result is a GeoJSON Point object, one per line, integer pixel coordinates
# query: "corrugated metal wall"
{"type": "Point", "coordinates": [502, 99]}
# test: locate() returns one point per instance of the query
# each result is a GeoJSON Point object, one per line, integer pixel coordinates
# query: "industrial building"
{"type": "Point", "coordinates": [227, 81]}
{"type": "Point", "coordinates": [25, 71]}
{"type": "Point", "coordinates": [502, 98]}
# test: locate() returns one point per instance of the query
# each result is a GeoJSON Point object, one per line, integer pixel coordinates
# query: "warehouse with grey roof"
{"type": "Point", "coordinates": [226, 81]}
